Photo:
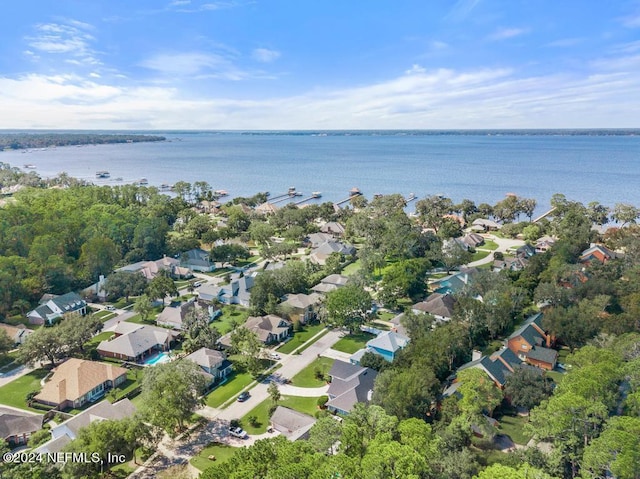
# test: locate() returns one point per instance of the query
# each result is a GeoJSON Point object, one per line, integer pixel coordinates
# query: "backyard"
{"type": "Point", "coordinates": [15, 393]}
{"type": "Point", "coordinates": [306, 405]}
{"type": "Point", "coordinates": [230, 315]}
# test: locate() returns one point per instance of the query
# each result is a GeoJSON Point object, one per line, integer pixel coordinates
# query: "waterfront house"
{"type": "Point", "coordinates": [215, 365]}
{"type": "Point", "coordinates": [597, 253]}
{"type": "Point", "coordinates": [197, 260]}
{"type": "Point", "coordinates": [316, 239]}
{"type": "Point", "coordinates": [473, 240]}
{"type": "Point", "coordinates": [67, 431]}
{"type": "Point", "coordinates": [544, 244]}
{"type": "Point", "coordinates": [16, 427]}
{"type": "Point", "coordinates": [484, 224]}
{"type": "Point", "coordinates": [350, 384]}
{"type": "Point", "coordinates": [332, 228]}
{"type": "Point", "coordinates": [77, 382]}
{"type": "Point", "coordinates": [135, 342]}
{"type": "Point", "coordinates": [53, 307]}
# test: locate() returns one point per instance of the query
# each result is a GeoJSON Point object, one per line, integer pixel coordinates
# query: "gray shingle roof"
{"type": "Point", "coordinates": [542, 354]}
{"type": "Point", "coordinates": [389, 341]}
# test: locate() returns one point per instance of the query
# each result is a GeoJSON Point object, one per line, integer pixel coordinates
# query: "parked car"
{"type": "Point", "coordinates": [244, 396]}
{"type": "Point", "coordinates": [197, 284]}
{"type": "Point", "coordinates": [238, 432]}
{"type": "Point", "coordinates": [274, 356]}
{"type": "Point", "coordinates": [110, 308]}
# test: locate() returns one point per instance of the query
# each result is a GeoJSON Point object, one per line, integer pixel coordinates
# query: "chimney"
{"type": "Point", "coordinates": [475, 355]}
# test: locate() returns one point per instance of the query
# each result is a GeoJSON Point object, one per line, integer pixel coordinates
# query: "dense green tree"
{"type": "Point", "coordinates": [161, 286]}
{"type": "Point", "coordinates": [527, 387]}
{"type": "Point", "coordinates": [171, 392]}
{"type": "Point", "coordinates": [75, 331]}
{"type": "Point", "coordinates": [143, 307]}
{"type": "Point", "coordinates": [123, 283]}
{"type": "Point", "coordinates": [406, 393]}
{"type": "Point", "coordinates": [479, 393]}
{"type": "Point", "coordinates": [624, 213]}
{"type": "Point", "coordinates": [229, 253]}
{"type": "Point", "coordinates": [98, 256]}
{"type": "Point", "coordinates": [6, 343]}
{"type": "Point", "coordinates": [432, 210]}
{"type": "Point", "coordinates": [616, 452]}
{"type": "Point", "coordinates": [44, 344]}
{"type": "Point", "coordinates": [246, 343]}
{"type": "Point", "coordinates": [325, 434]}
{"type": "Point", "coordinates": [404, 278]}
{"type": "Point", "coordinates": [348, 307]}
{"type": "Point", "coordinates": [197, 330]}
{"type": "Point", "coordinates": [499, 471]}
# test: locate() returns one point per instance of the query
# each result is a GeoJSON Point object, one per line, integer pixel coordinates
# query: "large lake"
{"type": "Point", "coordinates": [482, 167]}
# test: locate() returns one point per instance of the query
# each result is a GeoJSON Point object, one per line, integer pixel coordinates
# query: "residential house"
{"type": "Point", "coordinates": [53, 307]}
{"type": "Point", "coordinates": [215, 365]}
{"type": "Point", "coordinates": [544, 244]}
{"type": "Point", "coordinates": [16, 427]}
{"type": "Point", "coordinates": [350, 384]}
{"type": "Point", "coordinates": [236, 292]}
{"type": "Point", "coordinates": [77, 382]}
{"type": "Point", "coordinates": [269, 329]}
{"type": "Point", "coordinates": [498, 366]}
{"type": "Point", "coordinates": [317, 239]}
{"type": "Point", "coordinates": [386, 344]}
{"type": "Point", "coordinates": [473, 240]}
{"type": "Point", "coordinates": [598, 253]}
{"type": "Point", "coordinates": [135, 342]}
{"type": "Point", "coordinates": [292, 424]}
{"type": "Point", "coordinates": [332, 228]}
{"type": "Point", "coordinates": [483, 224]}
{"type": "Point", "coordinates": [398, 327]}
{"type": "Point", "coordinates": [531, 344]}
{"type": "Point", "coordinates": [302, 306]}
{"type": "Point", "coordinates": [197, 260]}
{"type": "Point", "coordinates": [18, 334]}
{"type": "Point", "coordinates": [456, 282]}
{"type": "Point", "coordinates": [150, 269]}
{"type": "Point", "coordinates": [330, 283]}
{"type": "Point", "coordinates": [67, 431]}
{"type": "Point", "coordinates": [439, 305]}
{"type": "Point", "coordinates": [525, 251]}
{"type": "Point", "coordinates": [320, 254]}
{"type": "Point", "coordinates": [266, 208]}
{"type": "Point", "coordinates": [510, 264]}
{"type": "Point", "coordinates": [173, 316]}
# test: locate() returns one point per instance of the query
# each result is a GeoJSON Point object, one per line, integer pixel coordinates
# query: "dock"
{"type": "Point", "coordinates": [290, 194]}
{"type": "Point", "coordinates": [544, 215]}
{"type": "Point", "coordinates": [314, 195]}
{"type": "Point", "coordinates": [410, 198]}
{"type": "Point", "coordinates": [352, 194]}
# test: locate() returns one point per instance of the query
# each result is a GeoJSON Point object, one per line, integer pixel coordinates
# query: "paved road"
{"type": "Point", "coordinates": [504, 244]}
{"type": "Point", "coordinates": [291, 365]}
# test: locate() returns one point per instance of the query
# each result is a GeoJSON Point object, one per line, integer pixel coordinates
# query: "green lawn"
{"type": "Point", "coordinates": [104, 314]}
{"type": "Point", "coordinates": [261, 411]}
{"type": "Point", "coordinates": [353, 342]}
{"type": "Point", "coordinates": [236, 382]}
{"type": "Point", "coordinates": [385, 315]}
{"type": "Point", "coordinates": [307, 378]}
{"type": "Point", "coordinates": [222, 452]}
{"type": "Point", "coordinates": [480, 255]}
{"type": "Point", "coordinates": [513, 426]}
{"type": "Point", "coordinates": [92, 344]}
{"type": "Point", "coordinates": [300, 337]}
{"type": "Point", "coordinates": [15, 393]}
{"type": "Point", "coordinates": [230, 314]}
{"type": "Point", "coordinates": [136, 318]}
{"type": "Point", "coordinates": [488, 244]}
{"type": "Point", "coordinates": [352, 268]}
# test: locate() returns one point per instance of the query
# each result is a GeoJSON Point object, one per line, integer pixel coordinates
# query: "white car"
{"type": "Point", "coordinates": [110, 308]}
{"type": "Point", "coordinates": [274, 356]}
{"type": "Point", "coordinates": [238, 432]}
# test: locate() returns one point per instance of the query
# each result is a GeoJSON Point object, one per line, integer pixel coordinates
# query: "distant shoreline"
{"type": "Point", "coordinates": [25, 140]}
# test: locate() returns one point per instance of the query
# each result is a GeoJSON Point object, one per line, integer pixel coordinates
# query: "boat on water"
{"type": "Point", "coordinates": [412, 196]}
{"type": "Point", "coordinates": [354, 191]}
{"type": "Point", "coordinates": [316, 194]}
{"type": "Point", "coordinates": [119, 178]}
{"type": "Point", "coordinates": [29, 166]}
{"type": "Point", "coordinates": [143, 181]}
{"type": "Point", "coordinates": [291, 191]}
{"type": "Point", "coordinates": [102, 174]}
{"type": "Point", "coordinates": [221, 192]}
{"type": "Point", "coordinates": [164, 187]}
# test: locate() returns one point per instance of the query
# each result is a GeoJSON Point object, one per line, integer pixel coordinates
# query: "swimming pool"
{"type": "Point", "coordinates": [157, 359]}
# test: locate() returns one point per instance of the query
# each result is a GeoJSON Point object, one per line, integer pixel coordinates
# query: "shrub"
{"type": "Point", "coordinates": [322, 401]}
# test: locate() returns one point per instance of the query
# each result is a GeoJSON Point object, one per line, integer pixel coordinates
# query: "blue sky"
{"type": "Point", "coordinates": [310, 64]}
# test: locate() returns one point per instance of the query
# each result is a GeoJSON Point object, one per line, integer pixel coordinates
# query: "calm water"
{"type": "Point", "coordinates": [479, 167]}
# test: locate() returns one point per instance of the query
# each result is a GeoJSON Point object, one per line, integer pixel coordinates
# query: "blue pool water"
{"type": "Point", "coordinates": [157, 359]}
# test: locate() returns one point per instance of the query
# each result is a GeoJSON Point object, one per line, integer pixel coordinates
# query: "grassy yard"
{"type": "Point", "coordinates": [353, 342]}
{"type": "Point", "coordinates": [155, 311]}
{"type": "Point", "coordinates": [352, 268]}
{"type": "Point", "coordinates": [15, 393]}
{"type": "Point", "coordinates": [488, 244]}
{"type": "Point", "coordinates": [300, 337]}
{"type": "Point", "coordinates": [236, 382]}
{"type": "Point", "coordinates": [513, 426]}
{"type": "Point", "coordinates": [230, 314]}
{"type": "Point", "coordinates": [222, 452]}
{"type": "Point", "coordinates": [480, 255]}
{"type": "Point", "coordinates": [104, 314]}
{"type": "Point", "coordinates": [307, 377]}
{"type": "Point", "coordinates": [92, 344]}
{"type": "Point", "coordinates": [261, 412]}
{"type": "Point", "coordinates": [385, 315]}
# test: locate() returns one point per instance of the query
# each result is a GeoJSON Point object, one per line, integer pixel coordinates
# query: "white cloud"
{"type": "Point", "coordinates": [265, 55]}
{"type": "Point", "coordinates": [506, 33]}
{"type": "Point", "coordinates": [188, 6]}
{"type": "Point", "coordinates": [461, 9]}
{"type": "Point", "coordinates": [417, 98]}
{"type": "Point", "coordinates": [70, 39]}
